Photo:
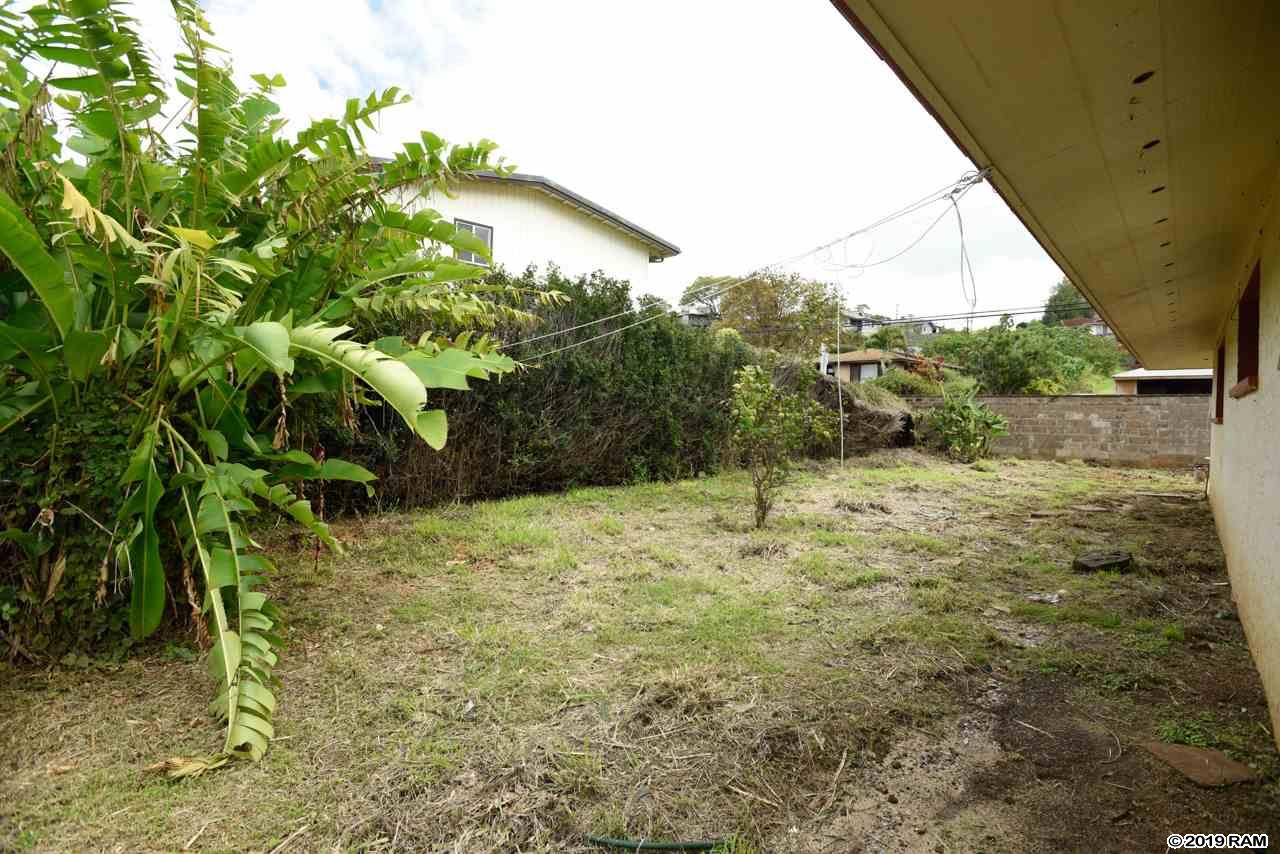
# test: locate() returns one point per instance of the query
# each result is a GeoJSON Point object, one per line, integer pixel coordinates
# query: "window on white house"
{"type": "Point", "coordinates": [484, 232]}
{"type": "Point", "coordinates": [1247, 334]}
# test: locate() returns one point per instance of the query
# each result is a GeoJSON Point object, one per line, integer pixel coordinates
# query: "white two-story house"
{"type": "Point", "coordinates": [531, 220]}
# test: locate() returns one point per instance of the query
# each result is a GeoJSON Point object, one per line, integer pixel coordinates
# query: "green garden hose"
{"type": "Point", "coordinates": [643, 845]}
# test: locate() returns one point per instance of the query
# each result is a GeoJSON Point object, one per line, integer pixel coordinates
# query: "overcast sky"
{"type": "Point", "coordinates": [744, 131]}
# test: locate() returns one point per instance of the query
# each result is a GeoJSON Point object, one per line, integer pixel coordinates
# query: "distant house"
{"type": "Point", "coordinates": [1093, 324]}
{"type": "Point", "coordinates": [1143, 381]}
{"type": "Point", "coordinates": [530, 220]}
{"type": "Point", "coordinates": [863, 324]}
{"type": "Point", "coordinates": [918, 331]}
{"type": "Point", "coordinates": [862, 365]}
{"type": "Point", "coordinates": [696, 319]}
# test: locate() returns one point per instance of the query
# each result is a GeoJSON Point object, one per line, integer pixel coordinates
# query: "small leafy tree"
{"type": "Point", "coordinates": [770, 428]}
{"type": "Point", "coordinates": [182, 293]}
{"type": "Point", "coordinates": [964, 426]}
{"type": "Point", "coordinates": [888, 338]}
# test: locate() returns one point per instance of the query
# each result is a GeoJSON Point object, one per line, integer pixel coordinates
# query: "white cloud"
{"type": "Point", "coordinates": [745, 132]}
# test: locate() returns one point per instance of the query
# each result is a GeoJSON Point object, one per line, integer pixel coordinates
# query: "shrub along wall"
{"type": "Point", "coordinates": [1131, 430]}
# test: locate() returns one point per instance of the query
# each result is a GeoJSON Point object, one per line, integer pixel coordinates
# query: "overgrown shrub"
{"type": "Point", "coordinates": [874, 417]}
{"type": "Point", "coordinates": [648, 403]}
{"type": "Point", "coordinates": [963, 426]}
{"type": "Point", "coordinates": [168, 307]}
{"type": "Point", "coordinates": [907, 383]}
{"type": "Point", "coordinates": [1030, 358]}
{"type": "Point", "coordinates": [770, 426]}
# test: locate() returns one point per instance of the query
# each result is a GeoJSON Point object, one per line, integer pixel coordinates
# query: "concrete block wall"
{"type": "Point", "coordinates": [1127, 430]}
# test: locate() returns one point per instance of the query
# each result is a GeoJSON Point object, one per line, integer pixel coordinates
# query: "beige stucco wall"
{"type": "Point", "coordinates": [532, 228]}
{"type": "Point", "coordinates": [1245, 477]}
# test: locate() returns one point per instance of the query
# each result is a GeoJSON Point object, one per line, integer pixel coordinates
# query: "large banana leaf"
{"type": "Point", "coordinates": [147, 604]}
{"type": "Point", "coordinates": [182, 273]}
{"type": "Point", "coordinates": [451, 367]}
{"type": "Point", "coordinates": [395, 381]}
{"type": "Point", "coordinates": [23, 246]}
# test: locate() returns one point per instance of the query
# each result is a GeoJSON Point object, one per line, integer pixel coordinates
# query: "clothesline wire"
{"type": "Point", "coordinates": [728, 283]}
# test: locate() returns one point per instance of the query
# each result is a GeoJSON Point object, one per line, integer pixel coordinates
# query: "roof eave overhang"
{"type": "Point", "coordinates": [660, 249]}
{"type": "Point", "coordinates": [880, 38]}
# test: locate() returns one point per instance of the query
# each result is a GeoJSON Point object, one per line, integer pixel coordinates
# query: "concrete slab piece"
{"type": "Point", "coordinates": [1200, 764]}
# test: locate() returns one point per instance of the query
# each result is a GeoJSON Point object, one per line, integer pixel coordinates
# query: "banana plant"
{"type": "Point", "coordinates": [203, 268]}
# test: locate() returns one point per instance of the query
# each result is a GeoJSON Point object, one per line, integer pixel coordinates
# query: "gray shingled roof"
{"type": "Point", "coordinates": [665, 248]}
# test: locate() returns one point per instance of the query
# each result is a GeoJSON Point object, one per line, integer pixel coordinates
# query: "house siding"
{"type": "Point", "coordinates": [1244, 486]}
{"type": "Point", "coordinates": [532, 228]}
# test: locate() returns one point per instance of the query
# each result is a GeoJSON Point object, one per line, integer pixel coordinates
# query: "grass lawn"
{"type": "Point", "coordinates": [866, 673]}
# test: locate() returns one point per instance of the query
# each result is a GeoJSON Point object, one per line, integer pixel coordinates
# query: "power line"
{"type": "Point", "coordinates": [964, 262]}
{"type": "Point", "coordinates": [833, 267]}
{"type": "Point", "coordinates": [594, 338]}
{"type": "Point", "coordinates": [1043, 309]}
{"type": "Point", "coordinates": [953, 197]}
{"type": "Point", "coordinates": [905, 321]}
{"type": "Point", "coordinates": [957, 192]}
{"type": "Point", "coordinates": [962, 184]}
{"type": "Point", "coordinates": [721, 280]}
{"type": "Point", "coordinates": [908, 321]}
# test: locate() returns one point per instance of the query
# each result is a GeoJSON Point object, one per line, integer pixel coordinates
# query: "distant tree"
{"type": "Point", "coordinates": [850, 340]}
{"type": "Point", "coordinates": [782, 312]}
{"type": "Point", "coordinates": [1065, 302]}
{"type": "Point", "coordinates": [1035, 359]}
{"type": "Point", "coordinates": [888, 338]}
{"type": "Point", "coordinates": [652, 304]}
{"type": "Point", "coordinates": [703, 294]}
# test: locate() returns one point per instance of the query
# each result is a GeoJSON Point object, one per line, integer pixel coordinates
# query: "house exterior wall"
{"type": "Point", "coordinates": [1126, 386]}
{"type": "Point", "coordinates": [531, 227]}
{"type": "Point", "coordinates": [1127, 430]}
{"type": "Point", "coordinates": [1244, 485]}
{"type": "Point", "coordinates": [853, 372]}
{"type": "Point", "coordinates": [847, 371]}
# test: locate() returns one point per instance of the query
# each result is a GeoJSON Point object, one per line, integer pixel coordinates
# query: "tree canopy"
{"type": "Point", "coordinates": [1032, 359]}
{"type": "Point", "coordinates": [888, 338]}
{"type": "Point", "coordinates": [1064, 303]}
{"type": "Point", "coordinates": [703, 295]}
{"type": "Point", "coordinates": [782, 312]}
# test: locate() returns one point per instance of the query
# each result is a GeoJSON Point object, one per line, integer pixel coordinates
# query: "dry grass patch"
{"type": "Point", "coordinates": [636, 662]}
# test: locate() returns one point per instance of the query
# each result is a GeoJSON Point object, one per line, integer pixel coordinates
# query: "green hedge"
{"type": "Point", "coordinates": [647, 403]}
